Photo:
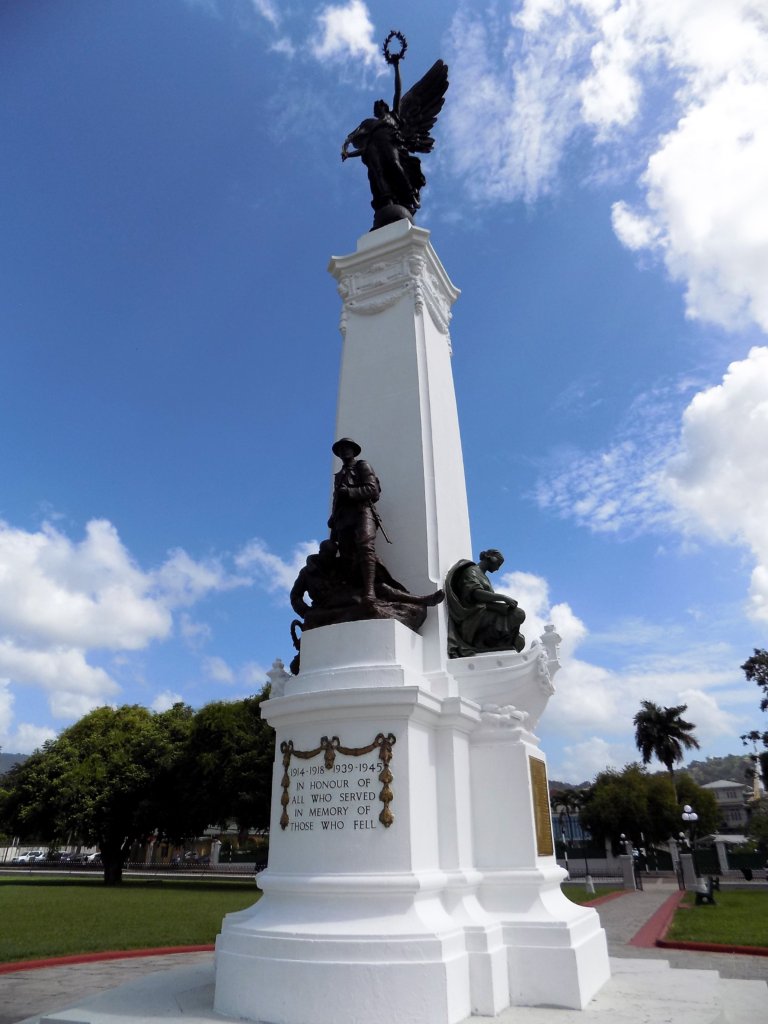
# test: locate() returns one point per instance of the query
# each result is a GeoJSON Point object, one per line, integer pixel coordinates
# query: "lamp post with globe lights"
{"type": "Point", "coordinates": [628, 863]}
{"type": "Point", "coordinates": [690, 817]}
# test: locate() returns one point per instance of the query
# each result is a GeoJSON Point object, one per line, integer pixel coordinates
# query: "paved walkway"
{"type": "Point", "coordinates": [623, 918]}
{"type": "Point", "coordinates": [24, 994]}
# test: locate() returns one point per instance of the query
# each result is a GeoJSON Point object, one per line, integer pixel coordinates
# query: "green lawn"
{"type": "Point", "coordinates": [579, 894]}
{"type": "Point", "coordinates": [43, 917]}
{"type": "Point", "coordinates": [738, 918]}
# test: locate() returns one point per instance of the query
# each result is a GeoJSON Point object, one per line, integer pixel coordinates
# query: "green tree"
{"type": "Point", "coordinates": [111, 779]}
{"type": "Point", "coordinates": [229, 762]}
{"type": "Point", "coordinates": [621, 802]}
{"type": "Point", "coordinates": [567, 807]}
{"type": "Point", "coordinates": [703, 801]}
{"type": "Point", "coordinates": [663, 733]}
{"type": "Point", "coordinates": [643, 806]}
{"type": "Point", "coordinates": [758, 826]}
{"type": "Point", "coordinates": [756, 670]}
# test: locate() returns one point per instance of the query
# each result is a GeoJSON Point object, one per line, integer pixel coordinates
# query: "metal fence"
{"type": "Point", "coordinates": [601, 874]}
{"type": "Point", "coordinates": [182, 869]}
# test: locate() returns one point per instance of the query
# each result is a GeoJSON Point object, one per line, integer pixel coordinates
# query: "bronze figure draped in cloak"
{"type": "Point", "coordinates": [479, 619]}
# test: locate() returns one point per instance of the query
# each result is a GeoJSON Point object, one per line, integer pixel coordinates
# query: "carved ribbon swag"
{"type": "Point", "coordinates": [329, 748]}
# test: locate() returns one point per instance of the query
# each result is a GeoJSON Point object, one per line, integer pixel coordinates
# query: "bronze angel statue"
{"type": "Point", "coordinates": [387, 141]}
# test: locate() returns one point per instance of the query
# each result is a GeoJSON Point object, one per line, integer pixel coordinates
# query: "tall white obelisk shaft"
{"type": "Point", "coordinates": [397, 400]}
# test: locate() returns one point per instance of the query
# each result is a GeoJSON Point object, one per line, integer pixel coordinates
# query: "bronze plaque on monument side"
{"type": "Point", "coordinates": [540, 791]}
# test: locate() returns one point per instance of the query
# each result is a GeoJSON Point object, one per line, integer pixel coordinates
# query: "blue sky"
{"type": "Point", "coordinates": [171, 193]}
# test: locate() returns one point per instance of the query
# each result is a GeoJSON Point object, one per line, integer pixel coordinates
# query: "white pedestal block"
{"type": "Point", "coordinates": [557, 951]}
{"type": "Point", "coordinates": [356, 913]}
{"type": "Point", "coordinates": [450, 910]}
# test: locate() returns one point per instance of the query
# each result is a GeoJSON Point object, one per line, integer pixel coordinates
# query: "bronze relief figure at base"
{"type": "Point", "coordinates": [479, 619]}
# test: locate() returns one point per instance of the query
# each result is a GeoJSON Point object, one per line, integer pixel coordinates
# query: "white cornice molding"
{"type": "Point", "coordinates": [384, 269]}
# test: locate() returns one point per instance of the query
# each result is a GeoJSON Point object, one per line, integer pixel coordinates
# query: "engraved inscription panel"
{"type": "Point", "coordinates": [540, 790]}
{"type": "Point", "coordinates": [343, 790]}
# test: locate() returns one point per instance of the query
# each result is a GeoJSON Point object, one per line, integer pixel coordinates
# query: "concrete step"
{"type": "Point", "coordinates": [743, 1000]}
{"type": "Point", "coordinates": [639, 992]}
{"type": "Point", "coordinates": [651, 992]}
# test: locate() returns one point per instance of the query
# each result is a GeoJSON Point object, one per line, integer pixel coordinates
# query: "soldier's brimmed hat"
{"type": "Point", "coordinates": [346, 442]}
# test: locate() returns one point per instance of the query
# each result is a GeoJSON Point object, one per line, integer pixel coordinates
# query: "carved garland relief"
{"type": "Point", "coordinates": [381, 285]}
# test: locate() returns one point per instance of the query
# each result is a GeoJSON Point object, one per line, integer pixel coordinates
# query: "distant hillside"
{"type": "Point", "coordinates": [732, 767]}
{"type": "Point", "coordinates": [7, 761]}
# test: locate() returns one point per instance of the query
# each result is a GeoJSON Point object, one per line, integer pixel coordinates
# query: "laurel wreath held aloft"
{"type": "Point", "coordinates": [393, 58]}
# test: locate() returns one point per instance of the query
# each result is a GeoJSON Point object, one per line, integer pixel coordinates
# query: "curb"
{"type": "Point", "coordinates": [90, 958]}
{"type": "Point", "coordinates": [713, 947]}
{"type": "Point", "coordinates": [653, 933]}
{"type": "Point", "coordinates": [606, 898]}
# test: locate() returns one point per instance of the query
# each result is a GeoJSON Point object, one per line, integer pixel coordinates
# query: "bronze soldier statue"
{"type": "Point", "coordinates": [353, 522]}
{"type": "Point", "coordinates": [345, 581]}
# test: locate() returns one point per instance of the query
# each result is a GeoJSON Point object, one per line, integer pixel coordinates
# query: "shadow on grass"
{"type": "Point", "coordinates": [137, 883]}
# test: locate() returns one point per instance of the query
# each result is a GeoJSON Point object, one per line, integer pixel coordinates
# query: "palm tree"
{"type": "Point", "coordinates": [565, 804]}
{"type": "Point", "coordinates": [663, 733]}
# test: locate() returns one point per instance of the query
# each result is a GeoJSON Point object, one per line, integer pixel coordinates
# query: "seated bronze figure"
{"type": "Point", "coordinates": [479, 619]}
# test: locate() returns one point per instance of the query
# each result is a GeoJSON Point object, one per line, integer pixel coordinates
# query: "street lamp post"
{"type": "Point", "coordinates": [565, 851]}
{"type": "Point", "coordinates": [690, 817]}
{"type": "Point", "coordinates": [681, 842]}
{"type": "Point", "coordinates": [628, 865]}
{"type": "Point", "coordinates": [587, 877]}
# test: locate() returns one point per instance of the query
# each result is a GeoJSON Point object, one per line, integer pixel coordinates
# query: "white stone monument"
{"type": "Point", "coordinates": [411, 866]}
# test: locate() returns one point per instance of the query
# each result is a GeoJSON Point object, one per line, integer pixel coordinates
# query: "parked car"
{"type": "Point", "coordinates": [29, 858]}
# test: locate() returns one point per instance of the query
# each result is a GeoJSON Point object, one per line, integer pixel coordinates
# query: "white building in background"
{"type": "Point", "coordinates": [731, 803]}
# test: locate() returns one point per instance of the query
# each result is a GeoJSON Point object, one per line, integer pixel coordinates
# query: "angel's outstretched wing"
{"type": "Point", "coordinates": [420, 106]}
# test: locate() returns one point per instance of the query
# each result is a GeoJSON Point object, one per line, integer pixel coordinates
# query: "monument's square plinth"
{"type": "Point", "coordinates": [411, 856]}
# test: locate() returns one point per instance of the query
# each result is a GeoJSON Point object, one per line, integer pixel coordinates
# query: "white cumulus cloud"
{"type": "Point", "coordinates": [267, 9]}
{"type": "Point", "coordinates": [513, 107]}
{"type": "Point", "coordinates": [345, 31]}
{"type": "Point", "coordinates": [86, 594]}
{"type": "Point", "coordinates": [717, 481]}
{"type": "Point", "coordinates": [217, 669]}
{"type": "Point", "coordinates": [532, 594]}
{"type": "Point", "coordinates": [58, 670]}
{"type": "Point", "coordinates": [581, 762]}
{"type": "Point", "coordinates": [649, 662]}
{"type": "Point", "coordinates": [250, 674]}
{"type": "Point", "coordinates": [6, 707]}
{"type": "Point", "coordinates": [619, 489]}
{"type": "Point", "coordinates": [680, 89]}
{"type": "Point", "coordinates": [700, 473]}
{"type": "Point", "coordinates": [24, 737]}
{"type": "Point", "coordinates": [272, 571]}
{"type": "Point", "coordinates": [62, 600]}
{"type": "Point", "coordinates": [165, 700]}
